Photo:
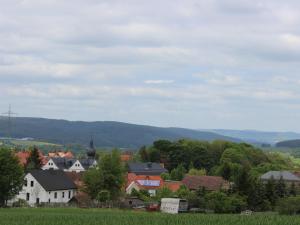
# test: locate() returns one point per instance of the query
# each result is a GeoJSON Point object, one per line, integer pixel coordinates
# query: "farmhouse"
{"type": "Point", "coordinates": [286, 176]}
{"type": "Point", "coordinates": [153, 169]}
{"type": "Point", "coordinates": [47, 186]}
{"type": "Point", "coordinates": [143, 182]}
{"type": "Point", "coordinates": [209, 183]}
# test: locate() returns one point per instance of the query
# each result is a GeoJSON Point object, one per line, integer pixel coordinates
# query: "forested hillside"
{"type": "Point", "coordinates": [106, 134]}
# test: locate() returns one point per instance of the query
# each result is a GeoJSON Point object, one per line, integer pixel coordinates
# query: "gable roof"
{"type": "Point", "coordinates": [210, 183]}
{"type": "Point", "coordinates": [53, 180]}
{"type": "Point", "coordinates": [276, 175]}
{"type": "Point", "coordinates": [146, 168]}
{"type": "Point", "coordinates": [63, 163]}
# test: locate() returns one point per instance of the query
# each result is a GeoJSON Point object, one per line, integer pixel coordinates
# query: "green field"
{"type": "Point", "coordinates": [68, 216]}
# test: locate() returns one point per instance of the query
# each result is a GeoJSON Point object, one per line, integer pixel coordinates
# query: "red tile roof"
{"type": "Point", "coordinates": [24, 155]}
{"type": "Point", "coordinates": [210, 183]}
{"type": "Point", "coordinates": [173, 185]}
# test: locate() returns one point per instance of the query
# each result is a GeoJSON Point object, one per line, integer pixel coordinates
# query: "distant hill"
{"type": "Point", "coordinates": [253, 136]}
{"type": "Point", "coordinates": [106, 134]}
{"type": "Point", "coordinates": [289, 144]}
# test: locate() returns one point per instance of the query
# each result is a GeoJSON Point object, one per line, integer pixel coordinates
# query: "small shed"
{"type": "Point", "coordinates": [173, 205]}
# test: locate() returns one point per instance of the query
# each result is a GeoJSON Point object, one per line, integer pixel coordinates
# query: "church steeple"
{"type": "Point", "coordinates": [91, 151]}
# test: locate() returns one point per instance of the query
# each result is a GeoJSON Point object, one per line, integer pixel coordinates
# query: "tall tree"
{"type": "Point", "coordinates": [34, 161]}
{"type": "Point", "coordinates": [178, 173]}
{"type": "Point", "coordinates": [293, 191]}
{"type": "Point", "coordinates": [107, 177]}
{"type": "Point", "coordinates": [280, 188]}
{"type": "Point", "coordinates": [271, 192]}
{"type": "Point", "coordinates": [11, 176]}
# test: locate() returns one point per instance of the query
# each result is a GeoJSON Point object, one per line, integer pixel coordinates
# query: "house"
{"type": "Point", "coordinates": [70, 165]}
{"type": "Point", "coordinates": [209, 183]}
{"type": "Point", "coordinates": [153, 169]}
{"type": "Point", "coordinates": [287, 177]}
{"type": "Point", "coordinates": [73, 164]}
{"type": "Point", "coordinates": [143, 182]}
{"type": "Point", "coordinates": [47, 186]}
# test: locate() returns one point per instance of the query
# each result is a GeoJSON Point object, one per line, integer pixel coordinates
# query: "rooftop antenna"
{"type": "Point", "coordinates": [9, 114]}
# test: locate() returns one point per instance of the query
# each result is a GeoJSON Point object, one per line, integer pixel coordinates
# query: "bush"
{"type": "Point", "coordinates": [219, 202]}
{"type": "Point", "coordinates": [20, 203]}
{"type": "Point", "coordinates": [289, 206]}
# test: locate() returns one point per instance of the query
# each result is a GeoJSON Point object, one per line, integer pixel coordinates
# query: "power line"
{"type": "Point", "coordinates": [9, 114]}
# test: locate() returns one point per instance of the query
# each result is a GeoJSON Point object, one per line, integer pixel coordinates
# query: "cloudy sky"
{"type": "Point", "coordinates": [194, 63]}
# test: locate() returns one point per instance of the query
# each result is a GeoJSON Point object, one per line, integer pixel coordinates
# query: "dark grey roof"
{"type": "Point", "coordinates": [87, 163]}
{"type": "Point", "coordinates": [146, 168]}
{"type": "Point", "coordinates": [276, 175]}
{"type": "Point", "coordinates": [63, 163]}
{"type": "Point", "coordinates": [53, 180]}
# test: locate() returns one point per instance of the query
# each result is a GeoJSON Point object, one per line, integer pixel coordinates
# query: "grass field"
{"type": "Point", "coordinates": [61, 216]}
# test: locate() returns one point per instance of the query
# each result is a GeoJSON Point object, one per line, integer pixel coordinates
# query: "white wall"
{"type": "Point", "coordinates": [37, 191]}
{"type": "Point", "coordinates": [76, 167]}
{"type": "Point", "coordinates": [50, 165]}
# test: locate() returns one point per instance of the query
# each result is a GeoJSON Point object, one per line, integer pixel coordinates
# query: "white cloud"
{"type": "Point", "coordinates": [205, 63]}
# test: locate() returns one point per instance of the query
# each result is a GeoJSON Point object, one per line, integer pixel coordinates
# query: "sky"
{"type": "Point", "coordinates": [230, 64]}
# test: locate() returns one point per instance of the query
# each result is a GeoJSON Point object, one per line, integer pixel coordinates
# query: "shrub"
{"type": "Point", "coordinates": [289, 206]}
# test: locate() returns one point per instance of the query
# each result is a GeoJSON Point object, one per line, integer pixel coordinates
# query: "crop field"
{"type": "Point", "coordinates": [63, 216]}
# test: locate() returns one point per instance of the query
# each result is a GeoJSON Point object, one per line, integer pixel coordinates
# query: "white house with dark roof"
{"type": "Point", "coordinates": [47, 186]}
{"type": "Point", "coordinates": [288, 177]}
{"type": "Point", "coordinates": [73, 164]}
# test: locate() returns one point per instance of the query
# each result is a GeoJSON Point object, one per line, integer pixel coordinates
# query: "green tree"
{"type": "Point", "coordinates": [293, 191]}
{"type": "Point", "coordinates": [11, 176]}
{"type": "Point", "coordinates": [195, 172]}
{"type": "Point", "coordinates": [108, 176]}
{"type": "Point", "coordinates": [271, 192]}
{"type": "Point", "coordinates": [34, 161]}
{"type": "Point", "coordinates": [144, 154]}
{"type": "Point", "coordinates": [280, 188]}
{"type": "Point", "coordinates": [178, 173]}
{"type": "Point", "coordinates": [243, 182]}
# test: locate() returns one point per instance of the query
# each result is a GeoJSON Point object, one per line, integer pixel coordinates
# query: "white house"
{"type": "Point", "coordinates": [73, 164]}
{"type": "Point", "coordinates": [70, 165]}
{"type": "Point", "coordinates": [47, 186]}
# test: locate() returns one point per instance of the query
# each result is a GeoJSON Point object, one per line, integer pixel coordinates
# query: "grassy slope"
{"type": "Point", "coordinates": [60, 216]}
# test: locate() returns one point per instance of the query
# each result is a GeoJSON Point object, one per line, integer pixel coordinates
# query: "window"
{"type": "Point", "coordinates": [49, 200]}
{"type": "Point", "coordinates": [69, 194]}
{"type": "Point", "coordinates": [25, 182]}
{"type": "Point", "coordinates": [55, 195]}
{"type": "Point", "coordinates": [37, 201]}
{"type": "Point", "coordinates": [31, 183]}
{"type": "Point", "coordinates": [27, 196]}
{"type": "Point", "coordinates": [63, 194]}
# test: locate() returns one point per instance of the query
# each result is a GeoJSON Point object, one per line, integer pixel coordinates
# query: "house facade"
{"type": "Point", "coordinates": [47, 186]}
{"type": "Point", "coordinates": [288, 177]}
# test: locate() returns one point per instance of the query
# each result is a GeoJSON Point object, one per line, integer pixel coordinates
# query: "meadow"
{"type": "Point", "coordinates": [72, 216]}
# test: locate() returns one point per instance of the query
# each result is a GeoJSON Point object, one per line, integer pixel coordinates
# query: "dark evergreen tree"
{"type": "Point", "coordinates": [34, 161]}
{"type": "Point", "coordinates": [226, 170]}
{"type": "Point", "coordinates": [271, 192]}
{"type": "Point", "coordinates": [293, 191]}
{"type": "Point", "coordinates": [144, 154]}
{"type": "Point", "coordinates": [243, 182]}
{"type": "Point", "coordinates": [280, 188]}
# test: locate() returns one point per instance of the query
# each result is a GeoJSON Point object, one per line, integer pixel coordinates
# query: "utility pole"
{"type": "Point", "coordinates": [9, 114]}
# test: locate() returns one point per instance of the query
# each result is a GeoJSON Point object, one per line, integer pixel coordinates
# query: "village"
{"type": "Point", "coordinates": [139, 181]}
